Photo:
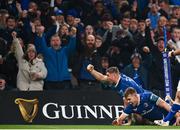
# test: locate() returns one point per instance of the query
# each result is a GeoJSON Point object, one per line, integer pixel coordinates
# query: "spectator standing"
{"type": "Point", "coordinates": [11, 25]}
{"type": "Point", "coordinates": [64, 34]}
{"type": "Point", "coordinates": [176, 12]}
{"type": "Point", "coordinates": [174, 44]}
{"type": "Point", "coordinates": [32, 70]}
{"type": "Point", "coordinates": [154, 16]}
{"type": "Point", "coordinates": [165, 9]}
{"type": "Point", "coordinates": [124, 25]}
{"type": "Point", "coordinates": [162, 22]}
{"type": "Point", "coordinates": [138, 69]}
{"type": "Point", "coordinates": [88, 55]}
{"type": "Point", "coordinates": [56, 58]}
{"type": "Point", "coordinates": [97, 13]}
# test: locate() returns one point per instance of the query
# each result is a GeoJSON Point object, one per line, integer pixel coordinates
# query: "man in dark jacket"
{"type": "Point", "coordinates": [138, 69]}
{"type": "Point", "coordinates": [88, 55]}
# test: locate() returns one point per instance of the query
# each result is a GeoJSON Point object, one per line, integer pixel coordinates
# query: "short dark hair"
{"type": "Point", "coordinates": [11, 17]}
{"type": "Point", "coordinates": [175, 7]}
{"type": "Point", "coordinates": [98, 1]}
{"type": "Point", "coordinates": [160, 38]}
{"type": "Point", "coordinates": [165, 1]}
{"type": "Point", "coordinates": [106, 17]}
{"type": "Point", "coordinates": [3, 11]}
{"type": "Point", "coordinates": [142, 21]}
{"type": "Point", "coordinates": [55, 35]}
{"type": "Point", "coordinates": [126, 15]}
{"type": "Point", "coordinates": [174, 27]}
{"type": "Point", "coordinates": [129, 91]}
{"type": "Point", "coordinates": [98, 37]}
{"type": "Point", "coordinates": [113, 70]}
{"type": "Point", "coordinates": [104, 58]}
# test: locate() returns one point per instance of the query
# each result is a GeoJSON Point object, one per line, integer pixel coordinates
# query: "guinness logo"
{"type": "Point", "coordinates": [28, 108]}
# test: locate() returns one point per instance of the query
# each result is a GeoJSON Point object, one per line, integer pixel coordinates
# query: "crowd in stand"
{"type": "Point", "coordinates": [47, 44]}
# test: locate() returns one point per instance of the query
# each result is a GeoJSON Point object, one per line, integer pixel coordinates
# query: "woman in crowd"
{"type": "Point", "coordinates": [32, 70]}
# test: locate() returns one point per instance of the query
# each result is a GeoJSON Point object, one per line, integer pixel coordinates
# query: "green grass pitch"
{"type": "Point", "coordinates": [87, 127]}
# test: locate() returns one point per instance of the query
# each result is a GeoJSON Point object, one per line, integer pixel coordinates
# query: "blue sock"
{"type": "Point", "coordinates": [174, 109]}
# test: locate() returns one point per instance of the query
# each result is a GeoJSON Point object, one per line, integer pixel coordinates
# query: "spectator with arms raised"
{"type": "Point", "coordinates": [56, 58]}
{"type": "Point", "coordinates": [32, 70]}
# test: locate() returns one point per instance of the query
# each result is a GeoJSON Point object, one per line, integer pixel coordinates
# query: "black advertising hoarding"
{"type": "Point", "coordinates": [59, 107]}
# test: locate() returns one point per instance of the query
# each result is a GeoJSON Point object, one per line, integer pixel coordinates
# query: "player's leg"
{"type": "Point", "coordinates": [174, 109]}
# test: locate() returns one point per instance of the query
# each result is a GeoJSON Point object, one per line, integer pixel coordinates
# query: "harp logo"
{"type": "Point", "coordinates": [28, 108]}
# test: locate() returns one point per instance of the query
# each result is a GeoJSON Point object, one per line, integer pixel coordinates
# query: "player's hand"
{"type": "Point", "coordinates": [90, 67]}
{"type": "Point", "coordinates": [115, 122]}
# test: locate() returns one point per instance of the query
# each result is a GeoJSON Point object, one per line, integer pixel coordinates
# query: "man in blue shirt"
{"type": "Point", "coordinates": [148, 105]}
{"type": "Point", "coordinates": [56, 58]}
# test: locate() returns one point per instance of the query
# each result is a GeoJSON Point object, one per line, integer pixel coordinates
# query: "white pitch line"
{"type": "Point", "coordinates": [90, 129]}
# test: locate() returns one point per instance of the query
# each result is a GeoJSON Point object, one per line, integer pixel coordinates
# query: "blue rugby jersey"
{"type": "Point", "coordinates": [147, 107]}
{"type": "Point", "coordinates": [126, 82]}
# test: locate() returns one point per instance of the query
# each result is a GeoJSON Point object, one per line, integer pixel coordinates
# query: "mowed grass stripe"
{"type": "Point", "coordinates": [84, 127]}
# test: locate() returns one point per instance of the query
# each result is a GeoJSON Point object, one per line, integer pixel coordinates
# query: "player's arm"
{"type": "Point", "coordinates": [97, 75]}
{"type": "Point", "coordinates": [120, 119]}
{"type": "Point", "coordinates": [161, 103]}
{"type": "Point", "coordinates": [127, 111]}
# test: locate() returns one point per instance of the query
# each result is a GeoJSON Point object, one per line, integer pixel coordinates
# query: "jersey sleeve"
{"type": "Point", "coordinates": [153, 98]}
{"type": "Point", "coordinates": [128, 110]}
